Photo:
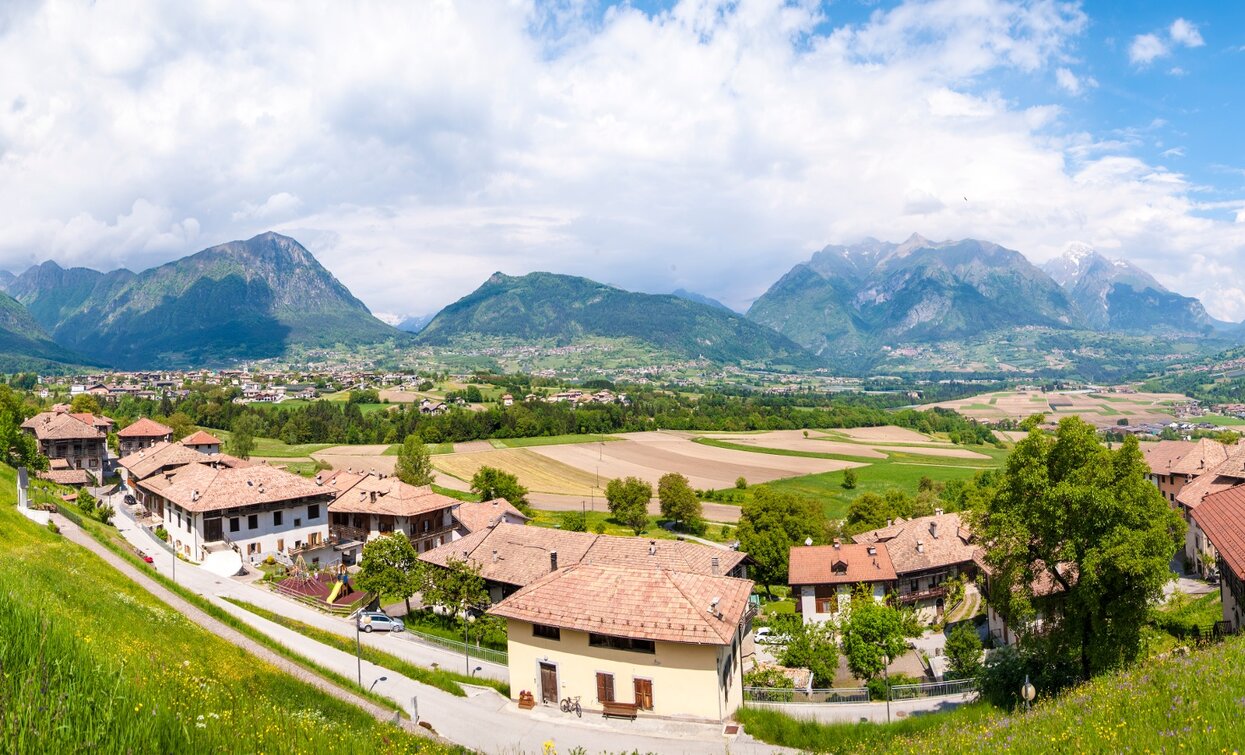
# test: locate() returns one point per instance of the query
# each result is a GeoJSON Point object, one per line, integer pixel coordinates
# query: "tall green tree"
{"type": "Point", "coordinates": [871, 634]}
{"type": "Point", "coordinates": [964, 651]}
{"type": "Point", "coordinates": [1068, 513]}
{"type": "Point", "coordinates": [414, 466]}
{"type": "Point", "coordinates": [85, 403]}
{"type": "Point", "coordinates": [390, 566]}
{"type": "Point", "coordinates": [491, 483]}
{"type": "Point", "coordinates": [627, 500]}
{"type": "Point", "coordinates": [770, 524]}
{"type": "Point", "coordinates": [18, 447]}
{"type": "Point", "coordinates": [679, 502]}
{"type": "Point", "coordinates": [457, 586]}
{"type": "Point", "coordinates": [811, 646]}
{"type": "Point", "coordinates": [242, 435]}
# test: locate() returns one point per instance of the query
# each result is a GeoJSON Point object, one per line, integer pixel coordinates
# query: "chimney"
{"type": "Point", "coordinates": [838, 543]}
{"type": "Point", "coordinates": [937, 512]}
{"type": "Point", "coordinates": [494, 555]}
{"type": "Point", "coordinates": [872, 551]}
{"type": "Point", "coordinates": [920, 546]}
{"type": "Point", "coordinates": [652, 547]}
{"type": "Point", "coordinates": [889, 522]}
{"type": "Point", "coordinates": [933, 530]}
{"type": "Point", "coordinates": [716, 566]}
{"type": "Point", "coordinates": [553, 560]}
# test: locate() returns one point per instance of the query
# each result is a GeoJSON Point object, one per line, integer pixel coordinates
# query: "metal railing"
{"type": "Point", "coordinates": [932, 689]}
{"type": "Point", "coordinates": [787, 695]}
{"type": "Point", "coordinates": [841, 695]}
{"type": "Point", "coordinates": [476, 651]}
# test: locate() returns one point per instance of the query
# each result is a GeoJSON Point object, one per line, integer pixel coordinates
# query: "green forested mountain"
{"type": "Point", "coordinates": [564, 308]}
{"type": "Point", "coordinates": [240, 300]}
{"type": "Point", "coordinates": [25, 345]}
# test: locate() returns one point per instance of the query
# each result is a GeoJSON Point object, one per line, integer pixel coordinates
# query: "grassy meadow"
{"type": "Point", "coordinates": [602, 519]}
{"type": "Point", "coordinates": [93, 662]}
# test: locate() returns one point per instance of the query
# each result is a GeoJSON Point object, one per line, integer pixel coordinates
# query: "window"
{"type": "Point", "coordinates": [621, 643]}
{"type": "Point", "coordinates": [252, 522]}
{"type": "Point", "coordinates": [826, 598]}
{"type": "Point", "coordinates": [313, 511]}
{"type": "Point", "coordinates": [605, 687]}
{"type": "Point", "coordinates": [548, 632]}
{"type": "Point", "coordinates": [298, 522]}
{"type": "Point", "coordinates": [276, 518]}
{"type": "Point", "coordinates": [235, 524]}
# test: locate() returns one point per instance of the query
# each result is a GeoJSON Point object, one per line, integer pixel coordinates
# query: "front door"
{"type": "Point", "coordinates": [644, 694]}
{"type": "Point", "coordinates": [212, 530]}
{"type": "Point", "coordinates": [548, 683]}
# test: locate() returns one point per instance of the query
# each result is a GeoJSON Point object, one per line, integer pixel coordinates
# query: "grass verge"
{"type": "Point", "coordinates": [446, 681]}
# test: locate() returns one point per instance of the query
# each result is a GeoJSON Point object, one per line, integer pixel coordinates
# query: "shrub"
{"type": "Point", "coordinates": [600, 528]}
{"type": "Point", "coordinates": [573, 521]}
{"type": "Point", "coordinates": [849, 478]}
{"type": "Point", "coordinates": [162, 533]}
{"type": "Point", "coordinates": [964, 652]}
{"type": "Point", "coordinates": [53, 528]}
{"type": "Point", "coordinates": [741, 483]}
{"type": "Point", "coordinates": [878, 685]}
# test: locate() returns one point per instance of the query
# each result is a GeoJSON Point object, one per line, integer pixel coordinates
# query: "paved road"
{"type": "Point", "coordinates": [483, 721]}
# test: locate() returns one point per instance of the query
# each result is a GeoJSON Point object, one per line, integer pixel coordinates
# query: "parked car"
{"type": "Point", "coordinates": [376, 621]}
{"type": "Point", "coordinates": [764, 635]}
{"type": "Point", "coordinates": [130, 500]}
{"type": "Point", "coordinates": [143, 555]}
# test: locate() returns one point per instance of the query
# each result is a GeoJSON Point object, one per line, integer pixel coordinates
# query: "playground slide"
{"type": "Point", "coordinates": [337, 587]}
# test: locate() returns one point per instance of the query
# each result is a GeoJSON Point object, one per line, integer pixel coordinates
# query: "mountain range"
{"type": "Point", "coordinates": [241, 300]}
{"type": "Point", "coordinates": [849, 308]}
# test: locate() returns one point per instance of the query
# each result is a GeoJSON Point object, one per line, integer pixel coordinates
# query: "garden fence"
{"type": "Point", "coordinates": [839, 695]}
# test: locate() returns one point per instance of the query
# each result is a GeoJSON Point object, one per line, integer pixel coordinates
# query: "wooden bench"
{"type": "Point", "coordinates": [619, 710]}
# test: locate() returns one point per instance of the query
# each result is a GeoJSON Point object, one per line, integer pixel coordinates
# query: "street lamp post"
{"type": "Point", "coordinates": [886, 673]}
{"type": "Point", "coordinates": [1027, 692]}
{"type": "Point", "coordinates": [378, 679]}
{"type": "Point", "coordinates": [466, 647]}
{"type": "Point", "coordinates": [358, 644]}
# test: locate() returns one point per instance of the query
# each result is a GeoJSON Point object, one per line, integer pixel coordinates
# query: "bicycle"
{"type": "Point", "coordinates": [568, 704]}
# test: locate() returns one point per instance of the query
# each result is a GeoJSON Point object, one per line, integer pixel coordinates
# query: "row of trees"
{"type": "Point", "coordinates": [628, 499]}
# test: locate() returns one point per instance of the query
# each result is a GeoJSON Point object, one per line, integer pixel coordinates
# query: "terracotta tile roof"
{"type": "Point", "coordinates": [97, 420]}
{"type": "Point", "coordinates": [164, 455]}
{"type": "Point", "coordinates": [1162, 455]}
{"type": "Point", "coordinates": [62, 426]}
{"type": "Point", "coordinates": [145, 428]}
{"type": "Point", "coordinates": [518, 555]}
{"type": "Point", "coordinates": [204, 487]}
{"type": "Point", "coordinates": [201, 438]}
{"type": "Point", "coordinates": [66, 476]}
{"type": "Point", "coordinates": [927, 542]}
{"type": "Point", "coordinates": [376, 494]}
{"type": "Point", "coordinates": [1226, 474]}
{"type": "Point", "coordinates": [1222, 517]}
{"type": "Point", "coordinates": [478, 516]}
{"type": "Point", "coordinates": [849, 563]}
{"type": "Point", "coordinates": [640, 603]}
{"type": "Point", "coordinates": [1206, 455]}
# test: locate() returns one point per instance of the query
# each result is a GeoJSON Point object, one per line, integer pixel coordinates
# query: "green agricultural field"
{"type": "Point", "coordinates": [550, 440]}
{"type": "Point", "coordinates": [714, 532]}
{"type": "Point", "coordinates": [1177, 704]}
{"type": "Point", "coordinates": [1220, 419]}
{"type": "Point", "coordinates": [93, 662]}
{"type": "Point", "coordinates": [272, 447]}
{"type": "Point", "coordinates": [433, 449]}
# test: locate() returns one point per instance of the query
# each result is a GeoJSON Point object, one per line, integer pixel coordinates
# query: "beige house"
{"type": "Point", "coordinates": [658, 641]}
{"type": "Point", "coordinates": [202, 442]}
{"type": "Point", "coordinates": [142, 433]}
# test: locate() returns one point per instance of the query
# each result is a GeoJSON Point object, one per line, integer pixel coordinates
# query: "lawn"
{"type": "Point", "coordinates": [433, 449]}
{"type": "Point", "coordinates": [271, 447]}
{"type": "Point", "coordinates": [1220, 419]}
{"type": "Point", "coordinates": [550, 440]}
{"type": "Point", "coordinates": [1181, 703]}
{"type": "Point", "coordinates": [715, 532]}
{"type": "Point", "coordinates": [93, 662]}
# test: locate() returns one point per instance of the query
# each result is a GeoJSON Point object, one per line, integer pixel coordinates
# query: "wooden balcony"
{"type": "Point", "coordinates": [919, 595]}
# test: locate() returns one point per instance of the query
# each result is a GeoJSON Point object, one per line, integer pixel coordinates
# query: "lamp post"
{"type": "Point", "coordinates": [1027, 692]}
{"type": "Point", "coordinates": [886, 673]}
{"type": "Point", "coordinates": [358, 644]}
{"type": "Point", "coordinates": [378, 679]}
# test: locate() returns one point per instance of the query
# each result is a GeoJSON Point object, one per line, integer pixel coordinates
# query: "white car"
{"type": "Point", "coordinates": [763, 635]}
{"type": "Point", "coordinates": [370, 621]}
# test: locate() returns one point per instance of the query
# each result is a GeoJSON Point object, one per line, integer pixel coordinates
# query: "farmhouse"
{"type": "Point", "coordinates": [1175, 463]}
{"type": "Point", "coordinates": [822, 577]}
{"type": "Point", "coordinates": [367, 506]}
{"type": "Point", "coordinates": [511, 556]}
{"type": "Point", "coordinates": [630, 639]}
{"type": "Point", "coordinates": [202, 442]}
{"type": "Point", "coordinates": [926, 552]}
{"type": "Point", "coordinates": [79, 439]}
{"type": "Point", "coordinates": [1199, 552]}
{"type": "Point", "coordinates": [1221, 516]}
{"type": "Point", "coordinates": [143, 433]}
{"type": "Point", "coordinates": [473, 517]}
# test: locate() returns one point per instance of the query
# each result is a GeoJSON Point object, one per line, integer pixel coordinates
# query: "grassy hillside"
{"type": "Point", "coordinates": [1179, 704]}
{"type": "Point", "coordinates": [92, 662]}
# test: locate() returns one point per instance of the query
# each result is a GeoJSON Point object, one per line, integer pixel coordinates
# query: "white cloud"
{"type": "Point", "coordinates": [417, 148]}
{"type": "Point", "coordinates": [1185, 33]}
{"type": "Point", "coordinates": [1073, 84]}
{"type": "Point", "coordinates": [1145, 48]}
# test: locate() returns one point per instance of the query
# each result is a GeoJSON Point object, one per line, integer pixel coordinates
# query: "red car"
{"type": "Point", "coordinates": [145, 557]}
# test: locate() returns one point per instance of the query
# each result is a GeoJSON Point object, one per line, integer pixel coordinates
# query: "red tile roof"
{"type": "Point", "coordinates": [1222, 517]}
{"type": "Point", "coordinates": [477, 516]}
{"type": "Point", "coordinates": [375, 494]}
{"type": "Point", "coordinates": [62, 426]}
{"type": "Point", "coordinates": [849, 563]}
{"type": "Point", "coordinates": [203, 487]}
{"type": "Point", "coordinates": [927, 542]}
{"type": "Point", "coordinates": [145, 428]}
{"type": "Point", "coordinates": [201, 438]}
{"type": "Point", "coordinates": [636, 602]}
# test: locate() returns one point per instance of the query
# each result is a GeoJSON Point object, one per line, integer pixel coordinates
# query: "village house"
{"type": "Point", "coordinates": [823, 577]}
{"type": "Point", "coordinates": [367, 506]}
{"type": "Point", "coordinates": [202, 442]}
{"type": "Point", "coordinates": [1199, 552]}
{"type": "Point", "coordinates": [163, 458]}
{"type": "Point", "coordinates": [255, 509]}
{"type": "Point", "coordinates": [1046, 592]}
{"type": "Point", "coordinates": [511, 556]}
{"type": "Point", "coordinates": [630, 639]}
{"type": "Point", "coordinates": [473, 516]}
{"type": "Point", "coordinates": [80, 440]}
{"type": "Point", "coordinates": [143, 433]}
{"type": "Point", "coordinates": [1173, 464]}
{"type": "Point", "coordinates": [926, 552]}
{"type": "Point", "coordinates": [1221, 516]}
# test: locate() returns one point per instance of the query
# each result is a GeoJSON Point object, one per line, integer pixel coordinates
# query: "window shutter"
{"type": "Point", "coordinates": [605, 688]}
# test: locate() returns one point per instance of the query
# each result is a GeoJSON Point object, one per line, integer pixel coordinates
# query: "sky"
{"type": "Point", "coordinates": [415, 148]}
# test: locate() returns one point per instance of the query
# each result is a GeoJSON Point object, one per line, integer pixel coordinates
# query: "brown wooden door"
{"type": "Point", "coordinates": [548, 683]}
{"type": "Point", "coordinates": [605, 688]}
{"type": "Point", "coordinates": [644, 694]}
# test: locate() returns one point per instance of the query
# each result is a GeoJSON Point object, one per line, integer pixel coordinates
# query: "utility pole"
{"type": "Point", "coordinates": [358, 647]}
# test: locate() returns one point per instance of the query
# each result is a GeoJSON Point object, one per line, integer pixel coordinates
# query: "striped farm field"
{"type": "Point", "coordinates": [540, 474]}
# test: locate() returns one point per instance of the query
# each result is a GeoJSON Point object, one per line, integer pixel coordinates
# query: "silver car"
{"type": "Point", "coordinates": [370, 621]}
